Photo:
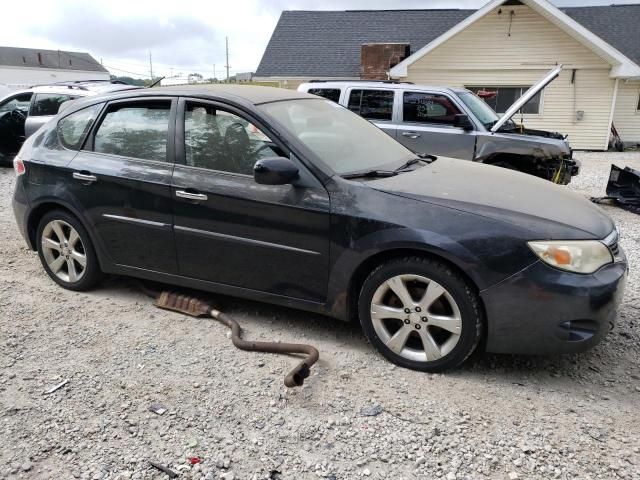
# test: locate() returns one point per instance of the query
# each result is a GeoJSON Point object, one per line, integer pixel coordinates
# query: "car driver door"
{"type": "Point", "coordinates": [13, 114]}
{"type": "Point", "coordinates": [229, 229]}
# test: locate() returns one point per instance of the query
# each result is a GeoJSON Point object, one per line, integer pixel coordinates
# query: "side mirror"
{"type": "Point", "coordinates": [275, 171]}
{"type": "Point", "coordinates": [462, 121]}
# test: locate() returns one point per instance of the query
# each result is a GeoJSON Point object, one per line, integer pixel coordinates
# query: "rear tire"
{"type": "Point", "coordinates": [420, 314]}
{"type": "Point", "coordinates": [66, 251]}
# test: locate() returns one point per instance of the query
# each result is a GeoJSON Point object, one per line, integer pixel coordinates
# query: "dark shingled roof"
{"type": "Point", "coordinates": [618, 25]}
{"type": "Point", "coordinates": [58, 59]}
{"type": "Point", "coordinates": [327, 43]}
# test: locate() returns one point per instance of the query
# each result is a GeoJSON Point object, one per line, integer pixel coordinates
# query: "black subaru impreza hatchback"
{"type": "Point", "coordinates": [291, 199]}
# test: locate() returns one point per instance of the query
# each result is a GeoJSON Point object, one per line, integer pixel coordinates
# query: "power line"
{"type": "Point", "coordinates": [127, 71]}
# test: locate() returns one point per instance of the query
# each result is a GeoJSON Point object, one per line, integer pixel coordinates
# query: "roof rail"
{"type": "Point", "coordinates": [395, 82]}
{"type": "Point", "coordinates": [78, 83]}
{"type": "Point", "coordinates": [60, 84]}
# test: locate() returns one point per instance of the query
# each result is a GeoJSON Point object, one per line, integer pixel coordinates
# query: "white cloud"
{"type": "Point", "coordinates": [184, 36]}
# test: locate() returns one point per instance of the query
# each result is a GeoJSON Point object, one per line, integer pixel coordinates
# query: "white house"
{"type": "Point", "coordinates": [504, 47]}
{"type": "Point", "coordinates": [23, 67]}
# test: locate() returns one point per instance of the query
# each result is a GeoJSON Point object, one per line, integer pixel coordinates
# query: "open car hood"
{"type": "Point", "coordinates": [526, 96]}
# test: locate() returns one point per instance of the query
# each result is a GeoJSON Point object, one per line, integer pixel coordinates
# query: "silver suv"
{"type": "Point", "coordinates": [22, 112]}
{"type": "Point", "coordinates": [455, 122]}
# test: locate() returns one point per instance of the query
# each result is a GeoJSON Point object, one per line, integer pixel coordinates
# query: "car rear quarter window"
{"type": "Point", "coordinates": [332, 94]}
{"type": "Point", "coordinates": [420, 107]}
{"type": "Point", "coordinates": [136, 130]}
{"type": "Point", "coordinates": [73, 128]}
{"type": "Point", "coordinates": [372, 104]}
{"type": "Point", "coordinates": [47, 104]}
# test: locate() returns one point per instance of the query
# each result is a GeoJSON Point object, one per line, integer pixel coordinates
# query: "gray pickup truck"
{"type": "Point", "coordinates": [455, 122]}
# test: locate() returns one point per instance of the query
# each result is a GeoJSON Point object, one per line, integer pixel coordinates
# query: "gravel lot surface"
{"type": "Point", "coordinates": [498, 417]}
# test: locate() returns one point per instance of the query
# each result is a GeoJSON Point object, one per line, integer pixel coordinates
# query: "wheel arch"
{"type": "Point", "coordinates": [36, 215]}
{"type": "Point", "coordinates": [47, 206]}
{"type": "Point", "coordinates": [370, 263]}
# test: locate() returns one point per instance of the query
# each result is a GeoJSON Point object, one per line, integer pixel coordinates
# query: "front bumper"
{"type": "Point", "coordinates": [542, 310]}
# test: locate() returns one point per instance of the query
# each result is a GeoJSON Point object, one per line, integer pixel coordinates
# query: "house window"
{"type": "Point", "coordinates": [372, 104]}
{"type": "Point", "coordinates": [332, 94]}
{"type": "Point", "coordinates": [505, 97]}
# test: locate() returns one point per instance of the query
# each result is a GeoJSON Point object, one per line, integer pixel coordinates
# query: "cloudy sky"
{"type": "Point", "coordinates": [183, 36]}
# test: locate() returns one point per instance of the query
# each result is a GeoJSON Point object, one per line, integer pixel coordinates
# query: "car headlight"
{"type": "Point", "coordinates": [580, 256]}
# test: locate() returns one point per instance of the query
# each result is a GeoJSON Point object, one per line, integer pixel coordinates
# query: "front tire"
{"type": "Point", "coordinates": [420, 314]}
{"type": "Point", "coordinates": [66, 251]}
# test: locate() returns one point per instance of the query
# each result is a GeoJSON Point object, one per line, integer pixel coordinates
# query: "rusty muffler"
{"type": "Point", "coordinates": [196, 307]}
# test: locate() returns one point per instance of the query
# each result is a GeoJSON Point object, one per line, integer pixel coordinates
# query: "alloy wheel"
{"type": "Point", "coordinates": [416, 318]}
{"type": "Point", "coordinates": [64, 251]}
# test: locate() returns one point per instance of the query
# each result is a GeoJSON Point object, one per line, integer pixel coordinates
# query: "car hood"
{"type": "Point", "coordinates": [526, 96]}
{"type": "Point", "coordinates": [546, 210]}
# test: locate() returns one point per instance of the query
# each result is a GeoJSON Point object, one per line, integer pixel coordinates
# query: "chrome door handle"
{"type": "Point", "coordinates": [411, 134]}
{"type": "Point", "coordinates": [84, 177]}
{"type": "Point", "coordinates": [199, 197]}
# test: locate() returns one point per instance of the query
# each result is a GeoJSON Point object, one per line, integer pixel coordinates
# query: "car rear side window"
{"type": "Point", "coordinates": [372, 104]}
{"type": "Point", "coordinates": [47, 104]}
{"type": "Point", "coordinates": [421, 107]}
{"type": "Point", "coordinates": [136, 130]}
{"type": "Point", "coordinates": [73, 128]}
{"type": "Point", "coordinates": [332, 94]}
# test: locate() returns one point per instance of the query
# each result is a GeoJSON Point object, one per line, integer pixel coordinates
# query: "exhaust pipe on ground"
{"type": "Point", "coordinates": [196, 307]}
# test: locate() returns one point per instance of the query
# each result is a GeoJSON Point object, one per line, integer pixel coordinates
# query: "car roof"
{"type": "Point", "coordinates": [381, 84]}
{"type": "Point", "coordinates": [255, 94]}
{"type": "Point", "coordinates": [241, 94]}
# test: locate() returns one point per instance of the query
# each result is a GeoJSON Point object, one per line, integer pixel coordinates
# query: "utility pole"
{"type": "Point", "coordinates": [227, 65]}
{"type": "Point", "coordinates": [214, 71]}
{"type": "Point", "coordinates": [150, 65]}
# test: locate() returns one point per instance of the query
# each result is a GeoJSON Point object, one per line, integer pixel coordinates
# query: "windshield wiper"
{"type": "Point", "coordinates": [422, 157]}
{"type": "Point", "coordinates": [370, 174]}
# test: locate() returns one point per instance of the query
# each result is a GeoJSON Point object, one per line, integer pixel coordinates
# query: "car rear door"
{"type": "Point", "coordinates": [374, 104]}
{"type": "Point", "coordinates": [428, 125]}
{"type": "Point", "coordinates": [122, 180]}
{"type": "Point", "coordinates": [231, 230]}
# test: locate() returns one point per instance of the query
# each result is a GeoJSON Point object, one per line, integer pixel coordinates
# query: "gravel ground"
{"type": "Point", "coordinates": [497, 417]}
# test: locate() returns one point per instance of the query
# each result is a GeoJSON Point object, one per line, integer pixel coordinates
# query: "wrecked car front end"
{"type": "Point", "coordinates": [504, 143]}
{"type": "Point", "coordinates": [543, 154]}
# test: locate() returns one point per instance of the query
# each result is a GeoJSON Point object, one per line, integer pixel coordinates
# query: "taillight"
{"type": "Point", "coordinates": [18, 166]}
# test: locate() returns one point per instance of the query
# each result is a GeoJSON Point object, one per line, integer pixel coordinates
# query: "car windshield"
{"type": "Point", "coordinates": [480, 109]}
{"type": "Point", "coordinates": [341, 139]}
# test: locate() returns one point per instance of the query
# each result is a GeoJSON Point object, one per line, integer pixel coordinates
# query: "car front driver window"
{"type": "Point", "coordinates": [216, 139]}
{"type": "Point", "coordinates": [20, 102]}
